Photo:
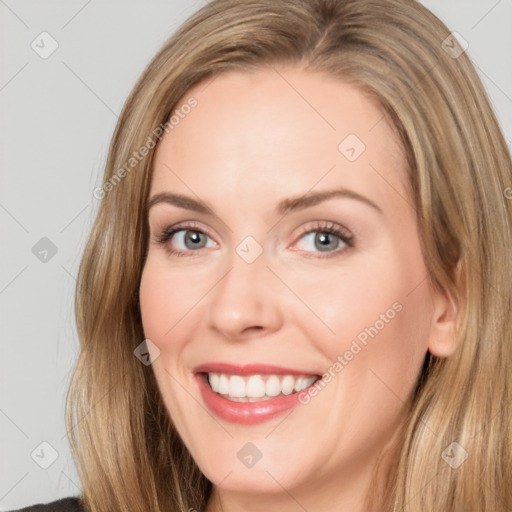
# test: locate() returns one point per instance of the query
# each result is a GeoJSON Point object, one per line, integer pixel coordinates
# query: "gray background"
{"type": "Point", "coordinates": [58, 115]}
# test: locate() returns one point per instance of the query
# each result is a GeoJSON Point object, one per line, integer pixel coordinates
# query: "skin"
{"type": "Point", "coordinates": [253, 140]}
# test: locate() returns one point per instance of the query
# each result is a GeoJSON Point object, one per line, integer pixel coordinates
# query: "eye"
{"type": "Point", "coordinates": [327, 238]}
{"type": "Point", "coordinates": [188, 238]}
{"type": "Point", "coordinates": [182, 240]}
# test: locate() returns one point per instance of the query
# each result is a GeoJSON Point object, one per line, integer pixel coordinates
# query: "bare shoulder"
{"type": "Point", "coordinates": [72, 504]}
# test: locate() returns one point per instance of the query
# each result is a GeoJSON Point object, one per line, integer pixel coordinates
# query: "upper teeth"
{"type": "Point", "coordinates": [257, 386]}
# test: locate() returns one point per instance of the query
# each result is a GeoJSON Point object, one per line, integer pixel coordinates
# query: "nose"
{"type": "Point", "coordinates": [245, 301]}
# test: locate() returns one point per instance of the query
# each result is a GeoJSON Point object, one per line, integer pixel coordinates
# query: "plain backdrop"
{"type": "Point", "coordinates": [58, 113]}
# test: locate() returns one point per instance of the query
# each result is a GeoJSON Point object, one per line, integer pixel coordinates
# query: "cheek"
{"type": "Point", "coordinates": [400, 352]}
{"type": "Point", "coordinates": [167, 318]}
{"type": "Point", "coordinates": [169, 300]}
{"type": "Point", "coordinates": [381, 322]}
{"type": "Point", "coordinates": [155, 302]}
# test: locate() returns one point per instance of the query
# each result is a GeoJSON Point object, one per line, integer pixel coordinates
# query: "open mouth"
{"type": "Point", "coordinates": [257, 387]}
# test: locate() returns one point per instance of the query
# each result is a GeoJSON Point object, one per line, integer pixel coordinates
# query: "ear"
{"type": "Point", "coordinates": [443, 340]}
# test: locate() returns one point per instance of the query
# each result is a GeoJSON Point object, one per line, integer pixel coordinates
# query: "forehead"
{"type": "Point", "coordinates": [278, 130]}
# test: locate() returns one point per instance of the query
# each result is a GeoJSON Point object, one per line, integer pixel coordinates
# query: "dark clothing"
{"type": "Point", "coordinates": [63, 505]}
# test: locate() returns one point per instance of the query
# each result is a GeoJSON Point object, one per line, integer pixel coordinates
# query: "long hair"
{"type": "Point", "coordinates": [128, 454]}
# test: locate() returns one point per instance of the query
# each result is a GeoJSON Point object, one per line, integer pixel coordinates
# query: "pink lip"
{"type": "Point", "coordinates": [248, 369]}
{"type": "Point", "coordinates": [246, 413]}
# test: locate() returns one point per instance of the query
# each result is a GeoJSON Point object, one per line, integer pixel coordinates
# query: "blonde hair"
{"type": "Point", "coordinates": [129, 456]}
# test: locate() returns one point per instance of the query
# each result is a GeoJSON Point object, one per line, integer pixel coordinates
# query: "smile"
{"type": "Point", "coordinates": [252, 393]}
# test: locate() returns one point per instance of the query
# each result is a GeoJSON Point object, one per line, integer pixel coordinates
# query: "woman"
{"type": "Point", "coordinates": [257, 373]}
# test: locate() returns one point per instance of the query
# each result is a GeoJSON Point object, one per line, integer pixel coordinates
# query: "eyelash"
{"type": "Point", "coordinates": [327, 227]}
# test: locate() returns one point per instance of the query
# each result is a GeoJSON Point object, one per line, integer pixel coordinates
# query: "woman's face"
{"type": "Point", "coordinates": [265, 297]}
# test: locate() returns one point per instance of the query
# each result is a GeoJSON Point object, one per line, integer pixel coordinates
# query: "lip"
{"type": "Point", "coordinates": [250, 369]}
{"type": "Point", "coordinates": [246, 413]}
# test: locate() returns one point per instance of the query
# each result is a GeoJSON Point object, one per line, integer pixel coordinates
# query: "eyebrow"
{"type": "Point", "coordinates": [286, 205]}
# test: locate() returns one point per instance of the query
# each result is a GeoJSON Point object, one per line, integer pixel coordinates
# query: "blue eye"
{"type": "Point", "coordinates": [326, 237]}
{"type": "Point", "coordinates": [189, 236]}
